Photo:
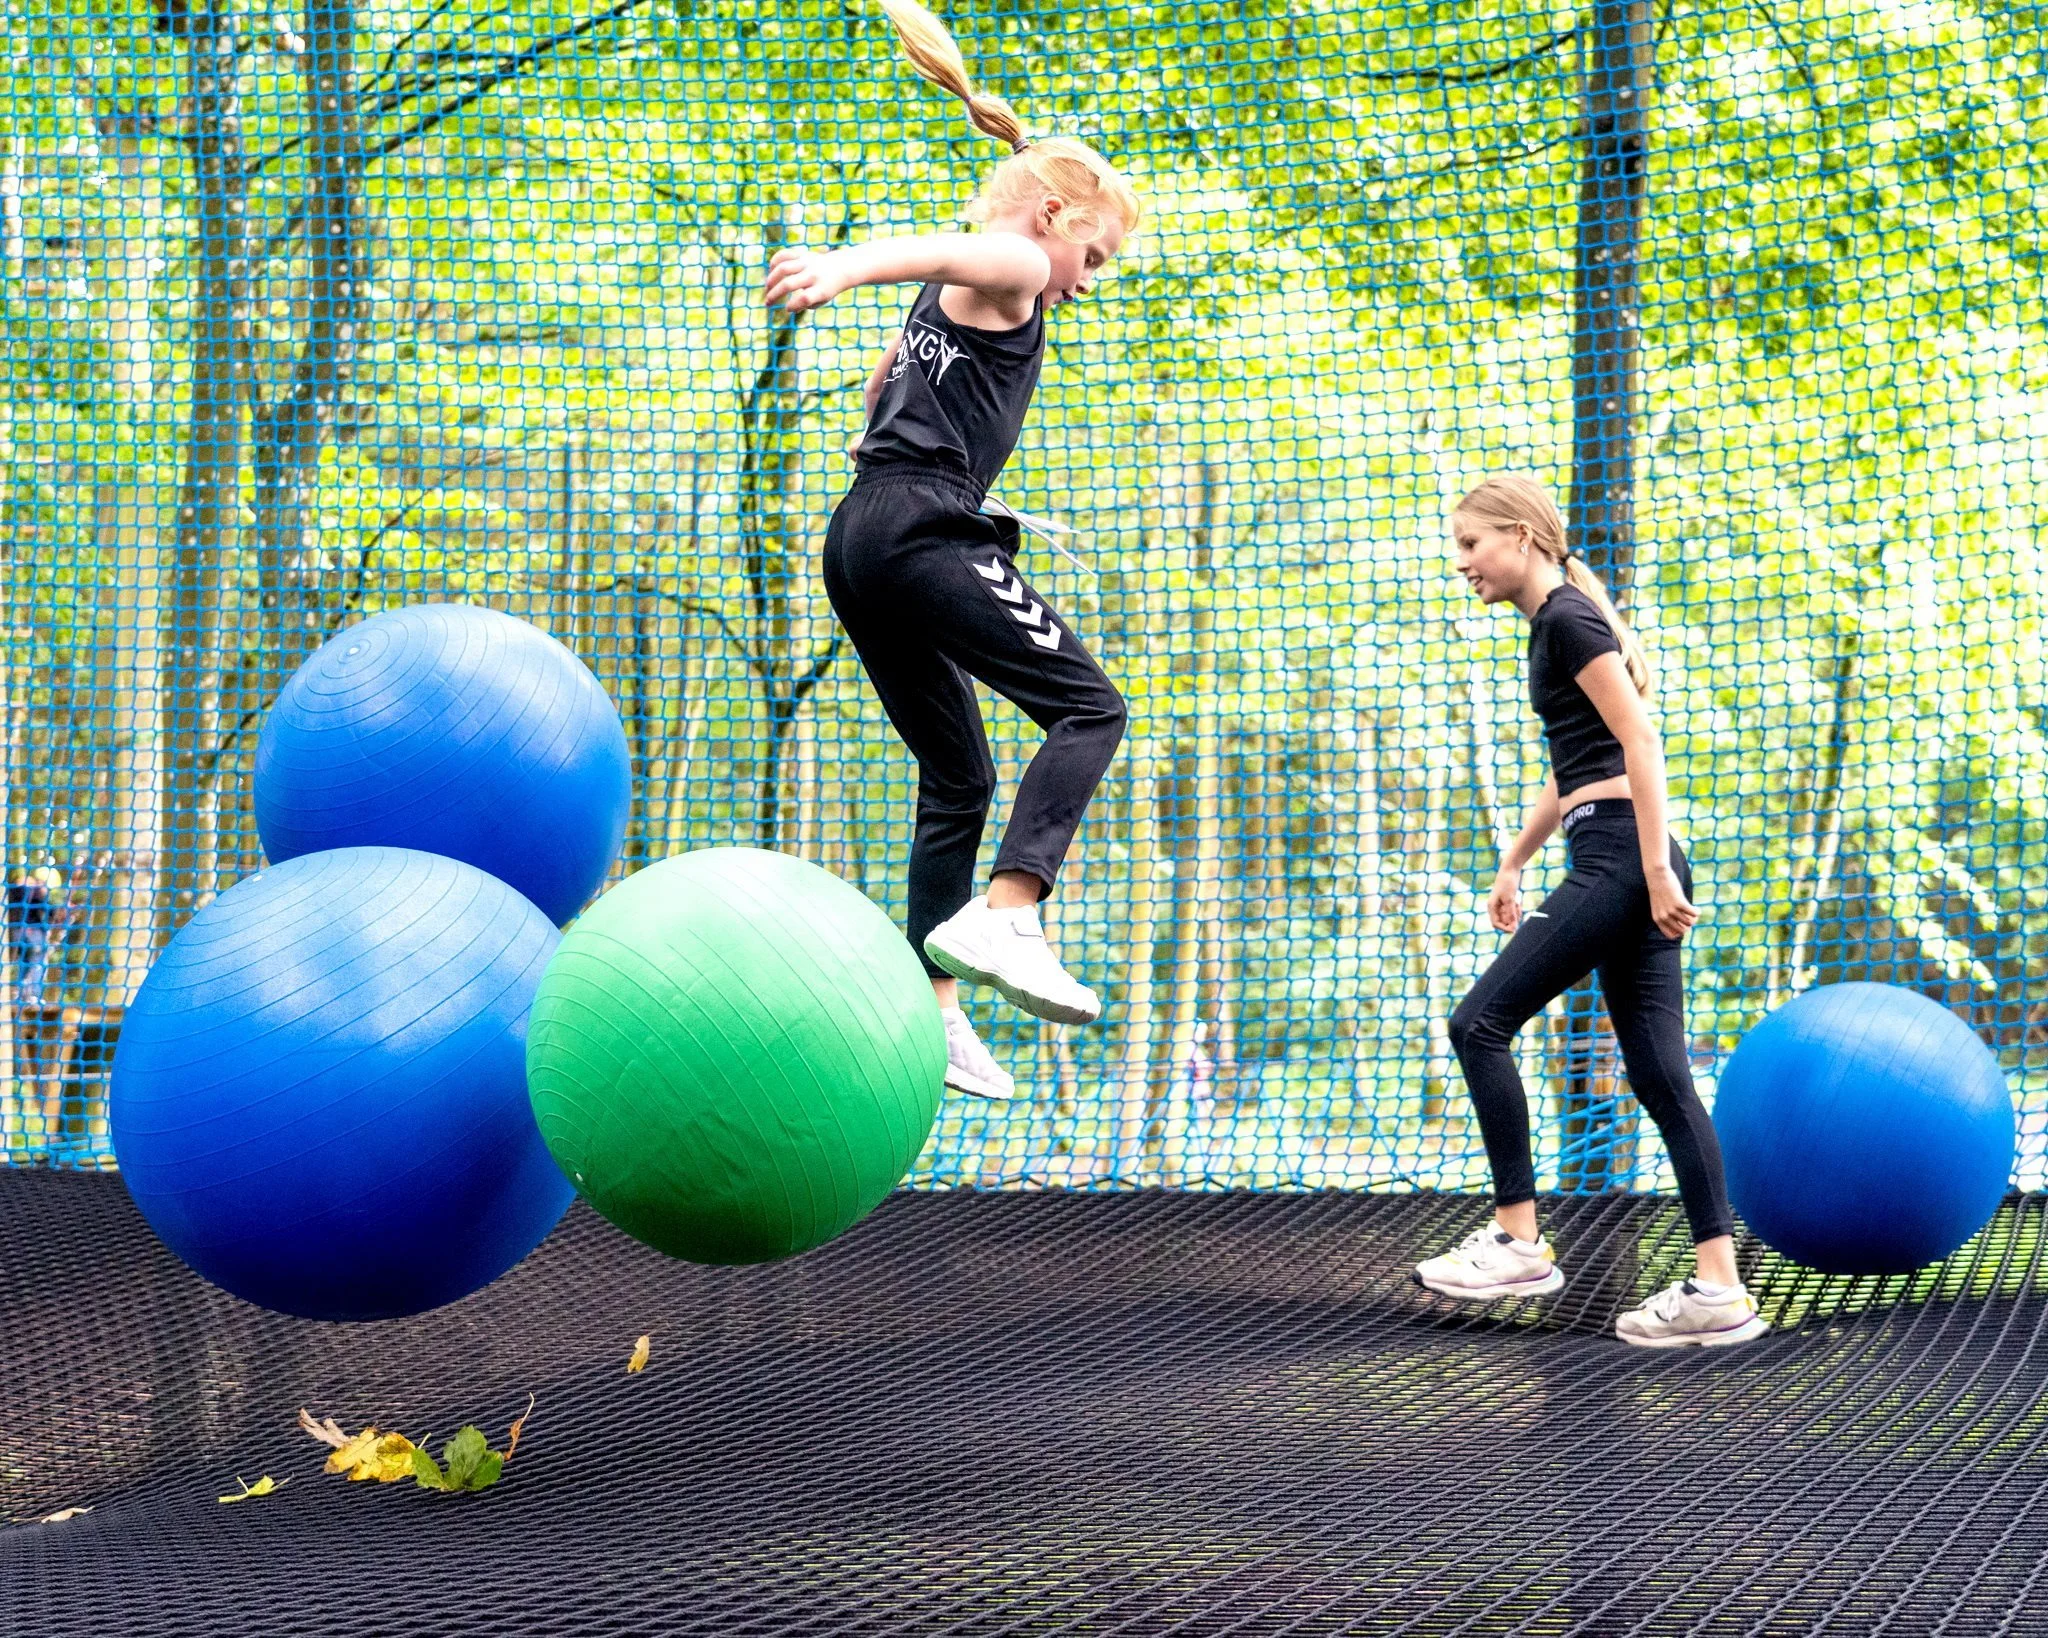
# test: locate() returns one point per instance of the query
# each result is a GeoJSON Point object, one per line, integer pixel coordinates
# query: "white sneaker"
{"type": "Point", "coordinates": [1490, 1263]}
{"type": "Point", "coordinates": [1683, 1316]}
{"type": "Point", "coordinates": [1007, 948]}
{"type": "Point", "coordinates": [969, 1066]}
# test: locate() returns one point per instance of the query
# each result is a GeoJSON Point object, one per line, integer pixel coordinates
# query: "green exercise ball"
{"type": "Point", "coordinates": [734, 1055]}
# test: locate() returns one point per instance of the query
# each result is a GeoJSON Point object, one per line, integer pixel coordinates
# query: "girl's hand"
{"type": "Point", "coordinates": [802, 279]}
{"type": "Point", "coordinates": [1670, 909]}
{"type": "Point", "coordinates": [1504, 903]}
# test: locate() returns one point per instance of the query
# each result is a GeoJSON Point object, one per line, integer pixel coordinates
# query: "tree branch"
{"type": "Point", "coordinates": [510, 66]}
{"type": "Point", "coordinates": [1472, 76]}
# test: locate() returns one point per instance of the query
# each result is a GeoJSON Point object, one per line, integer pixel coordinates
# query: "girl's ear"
{"type": "Point", "coordinates": [1048, 210]}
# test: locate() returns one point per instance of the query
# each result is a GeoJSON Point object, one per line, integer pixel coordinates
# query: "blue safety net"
{"type": "Point", "coordinates": [310, 314]}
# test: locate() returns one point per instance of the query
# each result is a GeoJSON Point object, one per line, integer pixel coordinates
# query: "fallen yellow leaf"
{"type": "Point", "coordinates": [385, 1457]}
{"type": "Point", "coordinates": [62, 1514]}
{"type": "Point", "coordinates": [638, 1362]}
{"type": "Point", "coordinates": [262, 1487]}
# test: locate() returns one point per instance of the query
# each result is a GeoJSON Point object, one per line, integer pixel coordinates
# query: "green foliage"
{"type": "Point", "coordinates": [467, 1463]}
{"type": "Point", "coordinates": [1351, 298]}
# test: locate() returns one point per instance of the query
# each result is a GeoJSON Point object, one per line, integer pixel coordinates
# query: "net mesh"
{"type": "Point", "coordinates": [315, 314]}
{"type": "Point", "coordinates": [1146, 1412]}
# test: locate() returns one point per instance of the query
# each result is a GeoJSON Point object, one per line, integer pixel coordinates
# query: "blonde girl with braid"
{"type": "Point", "coordinates": [1623, 911]}
{"type": "Point", "coordinates": [925, 581]}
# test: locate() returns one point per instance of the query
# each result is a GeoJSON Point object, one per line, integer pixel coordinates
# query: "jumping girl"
{"type": "Point", "coordinates": [925, 582]}
{"type": "Point", "coordinates": [1623, 909]}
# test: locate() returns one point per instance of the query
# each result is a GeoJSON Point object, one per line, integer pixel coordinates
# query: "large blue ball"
{"type": "Point", "coordinates": [453, 729]}
{"type": "Point", "coordinates": [319, 1096]}
{"type": "Point", "coordinates": [1866, 1130]}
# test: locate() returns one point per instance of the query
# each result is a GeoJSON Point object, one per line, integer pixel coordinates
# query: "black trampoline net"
{"type": "Point", "coordinates": [1146, 1412]}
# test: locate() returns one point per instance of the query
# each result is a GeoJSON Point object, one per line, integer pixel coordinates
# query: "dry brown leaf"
{"type": "Point", "coordinates": [328, 1432]}
{"type": "Point", "coordinates": [62, 1514]}
{"type": "Point", "coordinates": [518, 1427]}
{"type": "Point", "coordinates": [638, 1362]}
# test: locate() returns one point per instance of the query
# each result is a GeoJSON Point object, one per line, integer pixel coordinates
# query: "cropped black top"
{"type": "Point", "coordinates": [1566, 635]}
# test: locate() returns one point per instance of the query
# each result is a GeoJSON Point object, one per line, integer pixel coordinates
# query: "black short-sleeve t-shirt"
{"type": "Point", "coordinates": [1566, 635]}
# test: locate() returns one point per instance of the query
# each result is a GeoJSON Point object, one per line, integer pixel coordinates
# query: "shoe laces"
{"type": "Point", "coordinates": [1475, 1245]}
{"type": "Point", "coordinates": [1666, 1304]}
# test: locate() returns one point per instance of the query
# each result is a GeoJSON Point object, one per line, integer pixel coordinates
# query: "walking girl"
{"type": "Point", "coordinates": [926, 583]}
{"type": "Point", "coordinates": [1622, 910]}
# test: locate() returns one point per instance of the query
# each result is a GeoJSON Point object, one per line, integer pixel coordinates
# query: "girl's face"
{"type": "Point", "coordinates": [1074, 265]}
{"type": "Point", "coordinates": [1494, 561]}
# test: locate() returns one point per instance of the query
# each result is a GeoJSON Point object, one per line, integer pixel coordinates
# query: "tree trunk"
{"type": "Point", "coordinates": [1361, 892]}
{"type": "Point", "coordinates": [288, 434]}
{"type": "Point", "coordinates": [12, 850]}
{"type": "Point", "coordinates": [1606, 392]}
{"type": "Point", "coordinates": [208, 502]}
{"type": "Point", "coordinates": [1816, 876]}
{"type": "Point", "coordinates": [130, 250]}
{"type": "Point", "coordinates": [567, 598]}
{"type": "Point", "coordinates": [641, 593]}
{"type": "Point", "coordinates": [128, 525]}
{"type": "Point", "coordinates": [13, 242]}
{"type": "Point", "coordinates": [1432, 920]}
{"type": "Point", "coordinates": [790, 659]}
{"type": "Point", "coordinates": [1198, 888]}
{"type": "Point", "coordinates": [669, 814]}
{"type": "Point", "coordinates": [769, 466]}
{"type": "Point", "coordinates": [1134, 1078]}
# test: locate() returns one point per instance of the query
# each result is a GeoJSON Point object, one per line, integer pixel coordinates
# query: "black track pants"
{"type": "Point", "coordinates": [925, 585]}
{"type": "Point", "coordinates": [1599, 917]}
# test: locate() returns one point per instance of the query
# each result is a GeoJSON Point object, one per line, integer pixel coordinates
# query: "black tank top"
{"type": "Point", "coordinates": [956, 396]}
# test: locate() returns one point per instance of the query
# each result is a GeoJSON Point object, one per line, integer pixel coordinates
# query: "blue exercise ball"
{"type": "Point", "coordinates": [452, 729]}
{"type": "Point", "coordinates": [319, 1094]}
{"type": "Point", "coordinates": [1866, 1130]}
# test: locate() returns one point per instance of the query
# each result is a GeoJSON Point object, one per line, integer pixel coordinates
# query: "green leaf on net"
{"type": "Point", "coordinates": [472, 1464]}
{"type": "Point", "coordinates": [427, 1471]}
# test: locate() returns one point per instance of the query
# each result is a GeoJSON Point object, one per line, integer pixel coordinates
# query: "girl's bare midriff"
{"type": "Point", "coordinates": [1601, 790]}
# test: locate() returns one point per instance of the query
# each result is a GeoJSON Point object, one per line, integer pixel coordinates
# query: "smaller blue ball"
{"type": "Point", "coordinates": [1866, 1130]}
{"type": "Point", "coordinates": [319, 1095]}
{"type": "Point", "coordinates": [452, 729]}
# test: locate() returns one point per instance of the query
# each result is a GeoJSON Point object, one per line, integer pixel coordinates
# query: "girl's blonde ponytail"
{"type": "Point", "coordinates": [1510, 501]}
{"type": "Point", "coordinates": [1085, 183]}
{"type": "Point", "coordinates": [933, 54]}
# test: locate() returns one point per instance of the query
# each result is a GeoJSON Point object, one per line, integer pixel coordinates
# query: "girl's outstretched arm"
{"type": "Point", "coordinates": [1504, 903]}
{"type": "Point", "coordinates": [1606, 683]}
{"type": "Point", "coordinates": [1005, 269]}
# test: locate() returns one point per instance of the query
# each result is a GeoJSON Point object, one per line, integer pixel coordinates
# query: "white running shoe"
{"type": "Point", "coordinates": [1007, 948]}
{"type": "Point", "coordinates": [1684, 1316]}
{"type": "Point", "coordinates": [969, 1066]}
{"type": "Point", "coordinates": [1490, 1263]}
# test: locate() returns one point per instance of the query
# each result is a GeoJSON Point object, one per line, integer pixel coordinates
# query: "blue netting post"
{"type": "Point", "coordinates": [1605, 405]}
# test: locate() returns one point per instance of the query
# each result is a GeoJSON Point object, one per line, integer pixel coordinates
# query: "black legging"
{"type": "Point", "coordinates": [1599, 917]}
{"type": "Point", "coordinates": [928, 591]}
